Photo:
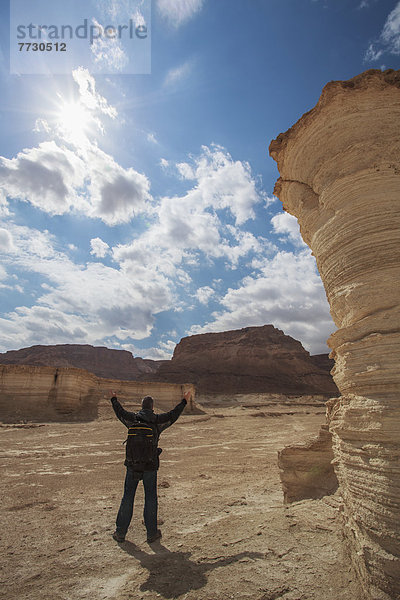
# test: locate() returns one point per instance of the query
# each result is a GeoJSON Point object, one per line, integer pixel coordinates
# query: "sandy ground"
{"type": "Point", "coordinates": [226, 533]}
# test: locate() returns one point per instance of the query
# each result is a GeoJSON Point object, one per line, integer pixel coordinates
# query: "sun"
{"type": "Point", "coordinates": [74, 120]}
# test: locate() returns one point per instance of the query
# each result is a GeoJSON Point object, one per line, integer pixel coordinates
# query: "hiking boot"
{"type": "Point", "coordinates": [153, 538]}
{"type": "Point", "coordinates": [118, 537]}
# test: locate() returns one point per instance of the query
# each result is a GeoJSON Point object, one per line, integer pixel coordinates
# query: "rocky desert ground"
{"type": "Point", "coordinates": [226, 532]}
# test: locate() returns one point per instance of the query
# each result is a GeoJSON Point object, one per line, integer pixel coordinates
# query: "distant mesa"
{"type": "Point", "coordinates": [249, 360]}
{"type": "Point", "coordinates": [101, 361]}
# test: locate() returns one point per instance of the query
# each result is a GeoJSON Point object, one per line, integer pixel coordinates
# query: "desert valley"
{"type": "Point", "coordinates": [278, 481]}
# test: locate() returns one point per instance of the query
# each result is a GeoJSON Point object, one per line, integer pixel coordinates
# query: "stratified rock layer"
{"type": "Point", "coordinates": [253, 359]}
{"type": "Point", "coordinates": [340, 176]}
{"type": "Point", "coordinates": [66, 394]}
{"type": "Point", "coordinates": [103, 362]}
{"type": "Point", "coordinates": [306, 470]}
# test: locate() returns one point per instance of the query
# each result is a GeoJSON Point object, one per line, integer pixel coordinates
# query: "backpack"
{"type": "Point", "coordinates": [141, 447]}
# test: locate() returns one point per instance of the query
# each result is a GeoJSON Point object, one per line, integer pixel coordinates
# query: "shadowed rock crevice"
{"type": "Point", "coordinates": [306, 469]}
{"type": "Point", "coordinates": [346, 151]}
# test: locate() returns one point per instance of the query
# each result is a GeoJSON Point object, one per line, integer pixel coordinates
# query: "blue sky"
{"type": "Point", "coordinates": [137, 209]}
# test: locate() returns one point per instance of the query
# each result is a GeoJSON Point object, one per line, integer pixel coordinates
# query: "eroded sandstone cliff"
{"type": "Point", "coordinates": [66, 394]}
{"type": "Point", "coordinates": [340, 176]}
{"type": "Point", "coordinates": [253, 359]}
{"type": "Point", "coordinates": [306, 470]}
{"type": "Point", "coordinates": [103, 362]}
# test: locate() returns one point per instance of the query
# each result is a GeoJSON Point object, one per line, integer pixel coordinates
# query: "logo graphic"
{"type": "Point", "coordinates": [58, 36]}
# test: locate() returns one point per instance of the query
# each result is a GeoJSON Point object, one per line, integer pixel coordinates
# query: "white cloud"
{"type": "Point", "coordinates": [246, 243]}
{"type": "Point", "coordinates": [6, 241]}
{"type": "Point", "coordinates": [152, 138]}
{"type": "Point", "coordinates": [4, 212]}
{"type": "Point", "coordinates": [164, 351]}
{"type": "Point", "coordinates": [44, 176]}
{"type": "Point", "coordinates": [389, 39]}
{"type": "Point", "coordinates": [190, 224]}
{"type": "Point", "coordinates": [57, 180]}
{"type": "Point", "coordinates": [287, 225]}
{"type": "Point", "coordinates": [372, 54]}
{"type": "Point", "coordinates": [223, 183]}
{"type": "Point", "coordinates": [186, 171]}
{"type": "Point", "coordinates": [138, 18]}
{"type": "Point", "coordinates": [99, 248]}
{"type": "Point", "coordinates": [164, 164]}
{"type": "Point", "coordinates": [204, 294]}
{"type": "Point", "coordinates": [287, 292]}
{"type": "Point", "coordinates": [178, 73]}
{"type": "Point", "coordinates": [391, 31]}
{"type": "Point", "coordinates": [80, 303]}
{"type": "Point", "coordinates": [107, 51]}
{"type": "Point", "coordinates": [177, 12]}
{"type": "Point", "coordinates": [71, 173]}
{"type": "Point", "coordinates": [89, 96]}
{"type": "Point", "coordinates": [116, 194]}
{"type": "Point", "coordinates": [41, 125]}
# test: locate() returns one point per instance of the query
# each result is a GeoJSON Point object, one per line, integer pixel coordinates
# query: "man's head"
{"type": "Point", "coordinates": [147, 402]}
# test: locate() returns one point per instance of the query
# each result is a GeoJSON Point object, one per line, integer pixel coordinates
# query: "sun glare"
{"type": "Point", "coordinates": [74, 120]}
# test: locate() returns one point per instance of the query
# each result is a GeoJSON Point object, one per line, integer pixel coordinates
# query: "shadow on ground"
{"type": "Point", "coordinates": [174, 573]}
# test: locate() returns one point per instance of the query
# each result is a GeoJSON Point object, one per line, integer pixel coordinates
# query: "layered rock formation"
{"type": "Point", "coordinates": [306, 470]}
{"type": "Point", "coordinates": [103, 362]}
{"type": "Point", "coordinates": [67, 394]}
{"type": "Point", "coordinates": [340, 176]}
{"type": "Point", "coordinates": [253, 359]}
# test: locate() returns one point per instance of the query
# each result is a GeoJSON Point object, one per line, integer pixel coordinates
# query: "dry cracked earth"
{"type": "Point", "coordinates": [226, 532]}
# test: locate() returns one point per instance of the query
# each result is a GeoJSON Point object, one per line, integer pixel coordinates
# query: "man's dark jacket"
{"type": "Point", "coordinates": [158, 422]}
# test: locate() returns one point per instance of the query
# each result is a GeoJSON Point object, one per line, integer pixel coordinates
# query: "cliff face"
{"type": "Point", "coordinates": [103, 362]}
{"type": "Point", "coordinates": [306, 470]}
{"type": "Point", "coordinates": [68, 394]}
{"type": "Point", "coordinates": [340, 176]}
{"type": "Point", "coordinates": [254, 359]}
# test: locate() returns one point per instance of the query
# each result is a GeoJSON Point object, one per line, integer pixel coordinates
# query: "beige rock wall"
{"type": "Point", "coordinates": [68, 394]}
{"type": "Point", "coordinates": [340, 176]}
{"type": "Point", "coordinates": [306, 470]}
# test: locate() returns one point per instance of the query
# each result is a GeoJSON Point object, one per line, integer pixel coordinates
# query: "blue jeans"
{"type": "Point", "coordinates": [150, 502]}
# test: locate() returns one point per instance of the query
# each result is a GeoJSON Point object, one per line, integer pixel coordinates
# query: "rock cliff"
{"type": "Point", "coordinates": [253, 359]}
{"type": "Point", "coordinates": [66, 394]}
{"type": "Point", "coordinates": [340, 176]}
{"type": "Point", "coordinates": [306, 470]}
{"type": "Point", "coordinates": [103, 362]}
